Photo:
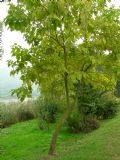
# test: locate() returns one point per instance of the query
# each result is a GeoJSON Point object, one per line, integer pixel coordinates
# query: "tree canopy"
{"type": "Point", "coordinates": [68, 41]}
{"type": "Point", "coordinates": [49, 27]}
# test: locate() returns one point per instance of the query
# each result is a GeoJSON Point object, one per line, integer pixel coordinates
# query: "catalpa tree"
{"type": "Point", "coordinates": [69, 41]}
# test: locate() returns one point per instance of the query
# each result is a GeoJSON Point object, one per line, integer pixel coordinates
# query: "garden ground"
{"type": "Point", "coordinates": [25, 141]}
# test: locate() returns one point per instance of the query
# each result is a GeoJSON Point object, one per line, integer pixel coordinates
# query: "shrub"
{"type": "Point", "coordinates": [27, 111]}
{"type": "Point", "coordinates": [90, 123]}
{"type": "Point", "coordinates": [47, 112]}
{"type": "Point", "coordinates": [8, 114]}
{"type": "Point", "coordinates": [107, 109]}
{"type": "Point", "coordinates": [74, 123]}
{"type": "Point", "coordinates": [24, 115]}
{"type": "Point", "coordinates": [14, 112]}
{"type": "Point", "coordinates": [92, 104]}
{"type": "Point", "coordinates": [99, 103]}
{"type": "Point", "coordinates": [78, 123]}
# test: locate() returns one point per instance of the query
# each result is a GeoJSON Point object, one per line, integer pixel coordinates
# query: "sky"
{"type": "Point", "coordinates": [9, 38]}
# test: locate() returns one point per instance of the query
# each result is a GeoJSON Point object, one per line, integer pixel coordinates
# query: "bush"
{"type": "Point", "coordinates": [27, 111]}
{"type": "Point", "coordinates": [8, 114]}
{"type": "Point", "coordinates": [99, 103]}
{"type": "Point", "coordinates": [78, 123]}
{"type": "Point", "coordinates": [74, 123]}
{"type": "Point", "coordinates": [24, 115]}
{"type": "Point", "coordinates": [14, 112]}
{"type": "Point", "coordinates": [90, 124]}
{"type": "Point", "coordinates": [47, 112]}
{"type": "Point", "coordinates": [92, 104]}
{"type": "Point", "coordinates": [107, 109]}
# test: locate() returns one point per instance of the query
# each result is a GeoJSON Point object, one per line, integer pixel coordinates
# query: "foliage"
{"type": "Point", "coordinates": [87, 98]}
{"type": "Point", "coordinates": [47, 111]}
{"type": "Point", "coordinates": [92, 104]}
{"type": "Point", "coordinates": [14, 112]}
{"type": "Point", "coordinates": [77, 123]}
{"type": "Point", "coordinates": [8, 114]}
{"type": "Point", "coordinates": [100, 103]}
{"type": "Point", "coordinates": [26, 111]}
{"type": "Point", "coordinates": [117, 89]}
{"type": "Point", "coordinates": [107, 108]}
{"type": "Point", "coordinates": [53, 29]}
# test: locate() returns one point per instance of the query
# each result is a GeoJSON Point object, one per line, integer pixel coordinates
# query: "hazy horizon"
{"type": "Point", "coordinates": [7, 83]}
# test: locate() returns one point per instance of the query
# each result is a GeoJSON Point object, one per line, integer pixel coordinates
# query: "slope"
{"type": "Point", "coordinates": [25, 141]}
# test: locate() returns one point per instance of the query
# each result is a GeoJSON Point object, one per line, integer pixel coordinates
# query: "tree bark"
{"type": "Point", "coordinates": [68, 106]}
{"type": "Point", "coordinates": [57, 131]}
{"type": "Point", "coordinates": [62, 119]}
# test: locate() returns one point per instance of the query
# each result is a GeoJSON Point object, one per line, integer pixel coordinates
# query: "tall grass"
{"type": "Point", "coordinates": [14, 112]}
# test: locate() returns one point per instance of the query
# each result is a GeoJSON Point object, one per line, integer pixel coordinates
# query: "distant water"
{"type": "Point", "coordinates": [15, 100]}
{"type": "Point", "coordinates": [8, 100]}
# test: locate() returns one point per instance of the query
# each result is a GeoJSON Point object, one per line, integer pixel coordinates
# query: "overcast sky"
{"type": "Point", "coordinates": [9, 38]}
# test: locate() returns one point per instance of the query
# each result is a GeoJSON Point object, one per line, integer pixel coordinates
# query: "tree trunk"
{"type": "Point", "coordinates": [62, 119]}
{"type": "Point", "coordinates": [68, 106]}
{"type": "Point", "coordinates": [57, 130]}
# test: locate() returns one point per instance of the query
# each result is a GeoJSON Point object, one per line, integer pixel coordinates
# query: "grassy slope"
{"type": "Point", "coordinates": [25, 141]}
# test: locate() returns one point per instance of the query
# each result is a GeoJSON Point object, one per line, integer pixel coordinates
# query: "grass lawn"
{"type": "Point", "coordinates": [24, 141]}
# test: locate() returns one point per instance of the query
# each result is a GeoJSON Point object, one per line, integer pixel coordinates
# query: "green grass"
{"type": "Point", "coordinates": [24, 141]}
